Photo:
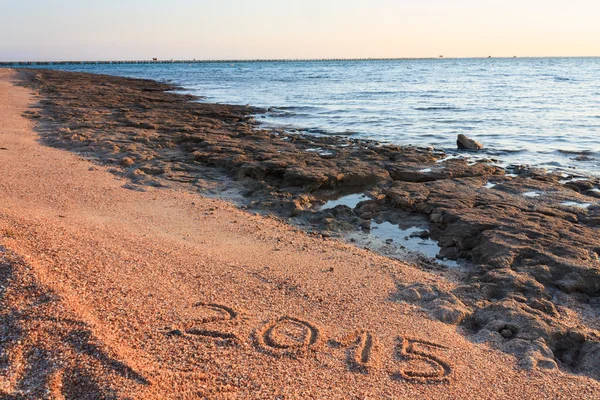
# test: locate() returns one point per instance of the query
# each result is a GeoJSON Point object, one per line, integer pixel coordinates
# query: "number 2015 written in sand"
{"type": "Point", "coordinates": [296, 338]}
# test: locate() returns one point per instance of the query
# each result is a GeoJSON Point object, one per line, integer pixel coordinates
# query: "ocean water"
{"type": "Point", "coordinates": [537, 111]}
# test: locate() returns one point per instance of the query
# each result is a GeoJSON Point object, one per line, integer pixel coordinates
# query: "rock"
{"type": "Point", "coordinates": [299, 204]}
{"type": "Point", "coordinates": [127, 161]}
{"type": "Point", "coordinates": [487, 336]}
{"type": "Point", "coordinates": [465, 143]}
{"type": "Point", "coordinates": [506, 333]}
{"type": "Point", "coordinates": [153, 170]}
{"type": "Point", "coordinates": [308, 178]}
{"type": "Point", "coordinates": [344, 212]}
{"type": "Point", "coordinates": [441, 304]}
{"type": "Point", "coordinates": [363, 177]}
{"type": "Point", "coordinates": [448, 312]}
{"type": "Point", "coordinates": [417, 292]}
{"type": "Point", "coordinates": [589, 359]}
{"type": "Point", "coordinates": [567, 347]}
{"type": "Point", "coordinates": [424, 234]}
{"type": "Point", "coordinates": [365, 225]}
{"type": "Point", "coordinates": [451, 253]}
{"type": "Point", "coordinates": [547, 363]}
{"type": "Point", "coordinates": [531, 354]}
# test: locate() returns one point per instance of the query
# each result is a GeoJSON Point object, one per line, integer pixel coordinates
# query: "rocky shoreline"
{"type": "Point", "coordinates": [532, 237]}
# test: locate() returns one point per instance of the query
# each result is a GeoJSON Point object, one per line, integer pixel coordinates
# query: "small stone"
{"type": "Point", "coordinates": [410, 294]}
{"type": "Point", "coordinates": [366, 225]}
{"type": "Point", "coordinates": [506, 333]}
{"type": "Point", "coordinates": [127, 161]}
{"type": "Point", "coordinates": [424, 234]}
{"type": "Point", "coordinates": [547, 364]}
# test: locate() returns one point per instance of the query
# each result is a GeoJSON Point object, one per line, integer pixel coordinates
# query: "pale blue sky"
{"type": "Point", "coordinates": [141, 29]}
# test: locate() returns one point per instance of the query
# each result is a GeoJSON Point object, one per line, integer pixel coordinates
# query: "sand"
{"type": "Point", "coordinates": [108, 292]}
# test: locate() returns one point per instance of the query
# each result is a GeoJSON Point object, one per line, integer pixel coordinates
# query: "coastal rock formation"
{"type": "Point", "coordinates": [465, 143]}
{"type": "Point", "coordinates": [441, 304]}
{"type": "Point", "coordinates": [532, 236]}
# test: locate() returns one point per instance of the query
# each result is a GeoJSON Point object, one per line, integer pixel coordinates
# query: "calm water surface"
{"type": "Point", "coordinates": [539, 111]}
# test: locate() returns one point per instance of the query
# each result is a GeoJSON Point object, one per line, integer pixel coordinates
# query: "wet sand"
{"type": "Point", "coordinates": [163, 293]}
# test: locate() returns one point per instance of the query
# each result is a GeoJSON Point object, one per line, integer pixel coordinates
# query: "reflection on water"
{"type": "Point", "coordinates": [350, 200]}
{"type": "Point", "coordinates": [386, 231]}
{"type": "Point", "coordinates": [415, 239]}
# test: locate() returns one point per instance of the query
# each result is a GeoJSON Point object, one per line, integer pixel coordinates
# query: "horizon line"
{"type": "Point", "coordinates": [172, 60]}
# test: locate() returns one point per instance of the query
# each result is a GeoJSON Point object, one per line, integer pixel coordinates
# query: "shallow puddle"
{"type": "Point", "coordinates": [350, 200]}
{"type": "Point", "coordinates": [321, 152]}
{"type": "Point", "coordinates": [572, 180]}
{"type": "Point", "coordinates": [576, 204]}
{"type": "Point", "coordinates": [387, 230]}
{"type": "Point", "coordinates": [450, 157]}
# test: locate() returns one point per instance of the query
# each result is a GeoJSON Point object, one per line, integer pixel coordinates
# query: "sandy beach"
{"type": "Point", "coordinates": [115, 284]}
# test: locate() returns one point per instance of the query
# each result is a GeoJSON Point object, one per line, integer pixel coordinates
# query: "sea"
{"type": "Point", "coordinates": [542, 112]}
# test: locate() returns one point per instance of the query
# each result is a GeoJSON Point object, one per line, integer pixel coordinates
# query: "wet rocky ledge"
{"type": "Point", "coordinates": [529, 238]}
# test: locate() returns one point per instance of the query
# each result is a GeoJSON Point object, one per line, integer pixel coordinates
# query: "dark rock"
{"type": "Point", "coordinates": [588, 361]}
{"type": "Point", "coordinates": [506, 333]}
{"type": "Point", "coordinates": [365, 225]}
{"type": "Point", "coordinates": [424, 234]}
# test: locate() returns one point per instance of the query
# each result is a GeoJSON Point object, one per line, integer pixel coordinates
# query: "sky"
{"type": "Point", "coordinates": [251, 29]}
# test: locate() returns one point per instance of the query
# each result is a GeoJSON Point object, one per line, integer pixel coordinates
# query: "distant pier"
{"type": "Point", "coordinates": [74, 62]}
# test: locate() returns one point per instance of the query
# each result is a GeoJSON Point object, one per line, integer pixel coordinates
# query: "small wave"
{"type": "Point", "coordinates": [458, 121]}
{"type": "Point", "coordinates": [562, 79]}
{"type": "Point", "coordinates": [296, 108]}
{"type": "Point", "coordinates": [438, 108]}
{"type": "Point", "coordinates": [319, 131]}
{"type": "Point", "coordinates": [577, 152]}
{"type": "Point", "coordinates": [499, 152]}
{"type": "Point", "coordinates": [373, 93]}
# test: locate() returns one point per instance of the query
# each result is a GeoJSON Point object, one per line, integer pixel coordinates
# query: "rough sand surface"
{"type": "Point", "coordinates": [107, 292]}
